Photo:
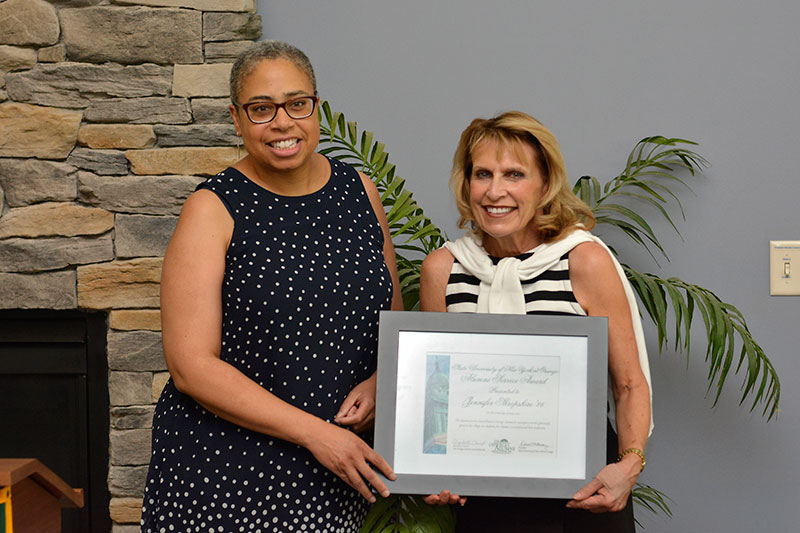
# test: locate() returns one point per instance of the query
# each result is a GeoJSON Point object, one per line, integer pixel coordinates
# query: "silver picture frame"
{"type": "Point", "coordinates": [491, 405]}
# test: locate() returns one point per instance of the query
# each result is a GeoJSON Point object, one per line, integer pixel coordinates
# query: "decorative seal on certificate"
{"type": "Point", "coordinates": [501, 446]}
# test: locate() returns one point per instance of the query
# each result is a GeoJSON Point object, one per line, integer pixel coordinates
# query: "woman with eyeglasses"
{"type": "Point", "coordinates": [529, 251]}
{"type": "Point", "coordinates": [270, 294]}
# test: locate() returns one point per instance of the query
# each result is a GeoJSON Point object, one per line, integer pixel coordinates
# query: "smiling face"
{"type": "Point", "coordinates": [505, 188]}
{"type": "Point", "coordinates": [284, 144]}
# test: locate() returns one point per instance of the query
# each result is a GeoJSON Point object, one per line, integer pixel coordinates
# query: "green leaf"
{"type": "Point", "coordinates": [629, 229]}
{"type": "Point", "coordinates": [394, 186]}
{"type": "Point", "coordinates": [366, 143]}
{"type": "Point", "coordinates": [403, 205]}
{"type": "Point", "coordinates": [424, 232]}
{"type": "Point", "coordinates": [651, 499]}
{"type": "Point", "coordinates": [379, 514]}
{"type": "Point", "coordinates": [326, 111]}
{"type": "Point", "coordinates": [337, 120]}
{"type": "Point", "coordinates": [633, 216]}
{"type": "Point", "coordinates": [583, 190]}
{"type": "Point", "coordinates": [386, 172]}
{"type": "Point", "coordinates": [725, 329]}
{"type": "Point", "coordinates": [352, 131]}
{"type": "Point", "coordinates": [377, 153]}
{"type": "Point", "coordinates": [413, 221]}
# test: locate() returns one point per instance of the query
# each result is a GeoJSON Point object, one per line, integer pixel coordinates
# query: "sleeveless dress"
{"type": "Point", "coordinates": [549, 293]}
{"type": "Point", "coordinates": [305, 279]}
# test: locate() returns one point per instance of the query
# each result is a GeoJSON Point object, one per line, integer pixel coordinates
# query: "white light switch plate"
{"type": "Point", "coordinates": [784, 268]}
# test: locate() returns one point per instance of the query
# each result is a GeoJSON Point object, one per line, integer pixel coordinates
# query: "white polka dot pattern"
{"type": "Point", "coordinates": [305, 280]}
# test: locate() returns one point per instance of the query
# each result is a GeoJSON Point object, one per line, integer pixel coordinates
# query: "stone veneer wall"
{"type": "Point", "coordinates": [111, 111]}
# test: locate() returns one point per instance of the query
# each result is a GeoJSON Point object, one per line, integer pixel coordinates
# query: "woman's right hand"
{"type": "Point", "coordinates": [445, 498]}
{"type": "Point", "coordinates": [342, 452]}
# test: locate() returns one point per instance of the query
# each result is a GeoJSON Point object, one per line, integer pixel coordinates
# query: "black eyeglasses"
{"type": "Point", "coordinates": [296, 108]}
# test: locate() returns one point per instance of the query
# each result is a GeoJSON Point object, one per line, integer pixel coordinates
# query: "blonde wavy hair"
{"type": "Point", "coordinates": [561, 210]}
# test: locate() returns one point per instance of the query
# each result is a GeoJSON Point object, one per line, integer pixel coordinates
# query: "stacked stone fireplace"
{"type": "Point", "coordinates": [111, 111]}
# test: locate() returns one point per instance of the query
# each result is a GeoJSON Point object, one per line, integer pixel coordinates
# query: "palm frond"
{"type": "Point", "coordinates": [401, 513]}
{"type": "Point", "coordinates": [653, 165]}
{"type": "Point", "coordinates": [652, 170]}
{"type": "Point", "coordinates": [725, 330]}
{"type": "Point", "coordinates": [408, 270]}
{"type": "Point", "coordinates": [651, 499]}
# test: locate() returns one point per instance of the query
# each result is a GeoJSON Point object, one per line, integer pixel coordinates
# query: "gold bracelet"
{"type": "Point", "coordinates": [637, 451]}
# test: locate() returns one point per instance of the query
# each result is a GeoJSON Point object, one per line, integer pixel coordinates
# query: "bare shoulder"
{"type": "Point", "coordinates": [595, 281]}
{"type": "Point", "coordinates": [369, 185]}
{"type": "Point", "coordinates": [434, 275]}
{"type": "Point", "coordinates": [589, 259]}
{"type": "Point", "coordinates": [204, 202]}
{"type": "Point", "coordinates": [437, 264]}
{"type": "Point", "coordinates": [204, 218]}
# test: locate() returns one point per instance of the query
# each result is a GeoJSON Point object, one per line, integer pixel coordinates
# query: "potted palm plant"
{"type": "Point", "coordinates": [655, 166]}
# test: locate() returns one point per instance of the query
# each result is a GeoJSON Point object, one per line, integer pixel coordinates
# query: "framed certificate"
{"type": "Point", "coordinates": [491, 405]}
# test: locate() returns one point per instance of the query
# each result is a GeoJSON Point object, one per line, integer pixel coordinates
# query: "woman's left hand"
{"type": "Point", "coordinates": [358, 409]}
{"type": "Point", "coordinates": [445, 498]}
{"type": "Point", "coordinates": [609, 490]}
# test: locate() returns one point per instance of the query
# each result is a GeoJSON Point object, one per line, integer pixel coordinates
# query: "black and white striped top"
{"type": "Point", "coordinates": [549, 293]}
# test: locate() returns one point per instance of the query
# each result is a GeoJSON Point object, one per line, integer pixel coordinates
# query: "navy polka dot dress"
{"type": "Point", "coordinates": [305, 280]}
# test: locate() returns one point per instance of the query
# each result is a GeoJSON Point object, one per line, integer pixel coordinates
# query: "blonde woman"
{"type": "Point", "coordinates": [529, 251]}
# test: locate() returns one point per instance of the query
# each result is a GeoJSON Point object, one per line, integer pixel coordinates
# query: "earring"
{"type": "Point", "coordinates": [238, 149]}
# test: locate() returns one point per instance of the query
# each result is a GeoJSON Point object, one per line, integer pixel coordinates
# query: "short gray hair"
{"type": "Point", "coordinates": [246, 62]}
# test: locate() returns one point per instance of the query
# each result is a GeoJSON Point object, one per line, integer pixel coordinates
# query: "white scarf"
{"type": "Point", "coordinates": [500, 290]}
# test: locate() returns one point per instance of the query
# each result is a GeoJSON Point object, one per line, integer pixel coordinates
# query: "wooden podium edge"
{"type": "Point", "coordinates": [15, 470]}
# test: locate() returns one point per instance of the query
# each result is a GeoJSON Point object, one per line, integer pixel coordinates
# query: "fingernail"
{"type": "Point", "coordinates": [385, 493]}
{"type": "Point", "coordinates": [372, 499]}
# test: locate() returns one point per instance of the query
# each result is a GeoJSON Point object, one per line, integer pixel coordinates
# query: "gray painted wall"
{"type": "Point", "coordinates": [602, 75]}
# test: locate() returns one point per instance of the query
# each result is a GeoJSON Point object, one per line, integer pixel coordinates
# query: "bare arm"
{"type": "Point", "coordinates": [191, 306]}
{"type": "Point", "coordinates": [358, 408]}
{"type": "Point", "coordinates": [599, 290]}
{"type": "Point", "coordinates": [433, 280]}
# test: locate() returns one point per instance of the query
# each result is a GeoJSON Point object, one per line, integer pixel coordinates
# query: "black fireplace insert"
{"type": "Point", "coordinates": [54, 402]}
